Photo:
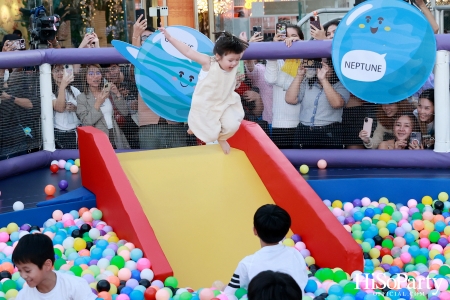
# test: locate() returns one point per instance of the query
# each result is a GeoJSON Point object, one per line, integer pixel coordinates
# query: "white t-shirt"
{"type": "Point", "coordinates": [67, 120]}
{"type": "Point", "coordinates": [107, 110]}
{"type": "Point", "coordinates": [277, 258]}
{"type": "Point", "coordinates": [68, 287]}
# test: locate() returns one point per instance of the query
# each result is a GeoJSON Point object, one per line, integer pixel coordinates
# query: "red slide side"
{"type": "Point", "coordinates": [102, 174]}
{"type": "Point", "coordinates": [330, 244]}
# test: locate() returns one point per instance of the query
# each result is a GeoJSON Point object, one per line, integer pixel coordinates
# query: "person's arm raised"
{"type": "Point", "coordinates": [187, 51]}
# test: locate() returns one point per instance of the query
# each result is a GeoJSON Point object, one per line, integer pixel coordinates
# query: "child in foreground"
{"type": "Point", "coordinates": [269, 285]}
{"type": "Point", "coordinates": [216, 110]}
{"type": "Point", "coordinates": [271, 224]}
{"type": "Point", "coordinates": [34, 257]}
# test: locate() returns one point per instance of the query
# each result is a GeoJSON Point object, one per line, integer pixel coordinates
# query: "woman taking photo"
{"type": "Point", "coordinates": [100, 105]}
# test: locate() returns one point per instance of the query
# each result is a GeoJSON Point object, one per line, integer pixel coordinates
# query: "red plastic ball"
{"type": "Point", "coordinates": [150, 294]}
{"type": "Point", "coordinates": [54, 168]}
{"type": "Point", "coordinates": [389, 237]}
{"type": "Point", "coordinates": [385, 251]}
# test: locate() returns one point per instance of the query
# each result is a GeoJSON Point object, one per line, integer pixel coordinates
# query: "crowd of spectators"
{"type": "Point", "coordinates": [299, 103]}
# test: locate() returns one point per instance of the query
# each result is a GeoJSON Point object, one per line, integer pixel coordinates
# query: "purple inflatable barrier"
{"type": "Point", "coordinates": [369, 158]}
{"type": "Point", "coordinates": [266, 50]}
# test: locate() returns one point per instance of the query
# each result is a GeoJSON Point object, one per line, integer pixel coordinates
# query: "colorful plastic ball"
{"type": "Point", "coordinates": [50, 190]}
{"type": "Point", "coordinates": [63, 184]}
{"type": "Point", "coordinates": [171, 281]}
{"type": "Point", "coordinates": [61, 163]}
{"type": "Point", "coordinates": [427, 200]}
{"type": "Point", "coordinates": [18, 205]}
{"type": "Point", "coordinates": [74, 169]}
{"type": "Point", "coordinates": [443, 196]}
{"type": "Point", "coordinates": [54, 168]}
{"type": "Point", "coordinates": [304, 169]}
{"type": "Point", "coordinates": [67, 166]}
{"type": "Point", "coordinates": [322, 164]}
{"type": "Point", "coordinates": [164, 294]}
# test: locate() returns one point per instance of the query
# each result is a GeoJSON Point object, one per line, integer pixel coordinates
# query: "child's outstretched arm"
{"type": "Point", "coordinates": [187, 51]}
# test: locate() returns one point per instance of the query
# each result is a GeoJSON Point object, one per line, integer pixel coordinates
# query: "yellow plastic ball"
{"type": "Point", "coordinates": [358, 241]}
{"type": "Point", "coordinates": [383, 200]}
{"type": "Point", "coordinates": [113, 289]}
{"type": "Point", "coordinates": [336, 204]}
{"type": "Point", "coordinates": [374, 253]}
{"type": "Point", "coordinates": [11, 294]}
{"type": "Point", "coordinates": [288, 242]}
{"type": "Point", "coordinates": [381, 224]}
{"type": "Point", "coordinates": [112, 233]}
{"type": "Point", "coordinates": [113, 239]}
{"type": "Point", "coordinates": [79, 244]}
{"type": "Point", "coordinates": [385, 217]}
{"type": "Point", "coordinates": [433, 253]}
{"type": "Point", "coordinates": [310, 260]}
{"type": "Point", "coordinates": [380, 269]}
{"type": "Point", "coordinates": [447, 230]}
{"type": "Point", "coordinates": [428, 226]}
{"type": "Point", "coordinates": [427, 200]}
{"type": "Point", "coordinates": [304, 169]}
{"type": "Point", "coordinates": [375, 262]}
{"type": "Point", "coordinates": [93, 285]}
{"type": "Point", "coordinates": [3, 229]}
{"type": "Point", "coordinates": [383, 232]}
{"type": "Point", "coordinates": [12, 227]}
{"type": "Point", "coordinates": [443, 196]}
{"type": "Point", "coordinates": [387, 259]}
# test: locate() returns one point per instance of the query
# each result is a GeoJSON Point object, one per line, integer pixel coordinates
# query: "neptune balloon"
{"type": "Point", "coordinates": [384, 50]}
{"type": "Point", "coordinates": [164, 77]}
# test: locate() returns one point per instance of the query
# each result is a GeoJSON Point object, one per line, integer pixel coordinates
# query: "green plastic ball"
{"type": "Point", "coordinates": [434, 236]}
{"type": "Point", "coordinates": [388, 210]}
{"type": "Point", "coordinates": [387, 244]}
{"type": "Point", "coordinates": [8, 285]}
{"type": "Point", "coordinates": [171, 281]}
{"type": "Point", "coordinates": [58, 263]}
{"type": "Point", "coordinates": [185, 296]}
{"type": "Point", "coordinates": [240, 292]}
{"type": "Point", "coordinates": [77, 270]}
{"type": "Point", "coordinates": [119, 262]}
{"type": "Point", "coordinates": [97, 214]}
{"type": "Point", "coordinates": [350, 288]}
{"type": "Point", "coordinates": [339, 275]}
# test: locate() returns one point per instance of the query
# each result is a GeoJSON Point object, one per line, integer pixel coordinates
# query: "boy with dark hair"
{"type": "Point", "coordinates": [269, 285]}
{"type": "Point", "coordinates": [271, 224]}
{"type": "Point", "coordinates": [34, 257]}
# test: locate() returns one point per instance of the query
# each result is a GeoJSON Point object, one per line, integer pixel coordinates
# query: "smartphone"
{"type": "Point", "coordinates": [281, 28]}
{"type": "Point", "coordinates": [314, 20]}
{"type": "Point", "coordinates": [140, 12]}
{"type": "Point", "coordinates": [106, 86]}
{"type": "Point", "coordinates": [68, 70]}
{"type": "Point", "coordinates": [416, 136]}
{"type": "Point", "coordinates": [256, 29]}
{"type": "Point", "coordinates": [368, 125]}
{"type": "Point", "coordinates": [18, 44]}
{"type": "Point", "coordinates": [241, 67]}
{"type": "Point", "coordinates": [89, 30]}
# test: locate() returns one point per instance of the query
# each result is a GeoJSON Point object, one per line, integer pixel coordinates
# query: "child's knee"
{"type": "Point", "coordinates": [231, 126]}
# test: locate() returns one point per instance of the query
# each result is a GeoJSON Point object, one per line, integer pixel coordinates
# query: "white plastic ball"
{"type": "Point", "coordinates": [131, 265]}
{"type": "Point", "coordinates": [94, 233]}
{"type": "Point", "coordinates": [147, 274]}
{"type": "Point", "coordinates": [68, 242]}
{"type": "Point", "coordinates": [18, 205]}
{"type": "Point", "coordinates": [54, 162]}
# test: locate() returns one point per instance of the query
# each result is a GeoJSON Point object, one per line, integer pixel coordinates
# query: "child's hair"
{"type": "Point", "coordinates": [272, 223]}
{"type": "Point", "coordinates": [428, 94]}
{"type": "Point", "coordinates": [270, 285]}
{"type": "Point", "coordinates": [35, 249]}
{"type": "Point", "coordinates": [228, 43]}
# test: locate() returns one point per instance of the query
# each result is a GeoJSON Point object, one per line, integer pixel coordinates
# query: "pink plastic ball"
{"type": "Point", "coordinates": [206, 294]}
{"type": "Point", "coordinates": [399, 242]}
{"type": "Point", "coordinates": [412, 203]}
{"type": "Point", "coordinates": [222, 297]}
{"type": "Point", "coordinates": [61, 163]}
{"type": "Point", "coordinates": [405, 257]}
{"type": "Point", "coordinates": [4, 237]}
{"type": "Point", "coordinates": [322, 164]}
{"type": "Point", "coordinates": [123, 297]}
{"type": "Point", "coordinates": [337, 211]}
{"type": "Point", "coordinates": [444, 295]}
{"type": "Point", "coordinates": [74, 169]}
{"type": "Point", "coordinates": [143, 263]}
{"type": "Point", "coordinates": [124, 274]}
{"type": "Point", "coordinates": [125, 254]}
{"type": "Point", "coordinates": [348, 207]}
{"type": "Point", "coordinates": [57, 215]}
{"type": "Point", "coordinates": [87, 216]}
{"type": "Point", "coordinates": [163, 294]}
{"type": "Point", "coordinates": [69, 223]}
{"type": "Point", "coordinates": [8, 250]}
{"type": "Point", "coordinates": [130, 246]}
{"type": "Point", "coordinates": [300, 246]}
{"type": "Point", "coordinates": [365, 201]}
{"type": "Point", "coordinates": [67, 217]}
{"type": "Point", "coordinates": [424, 242]}
{"type": "Point", "coordinates": [428, 215]}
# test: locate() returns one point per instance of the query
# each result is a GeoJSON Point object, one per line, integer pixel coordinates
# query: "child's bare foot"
{"type": "Point", "coordinates": [189, 131]}
{"type": "Point", "coordinates": [225, 146]}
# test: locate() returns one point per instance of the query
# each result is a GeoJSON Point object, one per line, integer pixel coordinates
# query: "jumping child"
{"type": "Point", "coordinates": [216, 110]}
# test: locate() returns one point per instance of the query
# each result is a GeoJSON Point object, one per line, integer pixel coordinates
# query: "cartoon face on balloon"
{"type": "Point", "coordinates": [384, 50]}
{"type": "Point", "coordinates": [165, 78]}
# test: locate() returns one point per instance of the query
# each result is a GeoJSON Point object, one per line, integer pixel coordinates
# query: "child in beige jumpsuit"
{"type": "Point", "coordinates": [216, 110]}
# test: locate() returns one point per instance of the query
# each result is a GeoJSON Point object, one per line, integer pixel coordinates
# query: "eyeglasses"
{"type": "Point", "coordinates": [91, 73]}
{"type": "Point", "coordinates": [144, 37]}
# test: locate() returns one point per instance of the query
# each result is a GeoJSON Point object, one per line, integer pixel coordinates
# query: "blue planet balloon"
{"type": "Point", "coordinates": [164, 77]}
{"type": "Point", "coordinates": [384, 50]}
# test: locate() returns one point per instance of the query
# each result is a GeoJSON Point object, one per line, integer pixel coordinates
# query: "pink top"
{"type": "Point", "coordinates": [265, 90]}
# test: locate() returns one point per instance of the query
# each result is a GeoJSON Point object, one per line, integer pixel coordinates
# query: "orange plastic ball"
{"type": "Point", "coordinates": [114, 280]}
{"type": "Point", "coordinates": [104, 295]}
{"type": "Point", "coordinates": [50, 190]}
{"type": "Point", "coordinates": [82, 211]}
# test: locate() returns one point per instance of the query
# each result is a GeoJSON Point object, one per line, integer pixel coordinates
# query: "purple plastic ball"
{"type": "Point", "coordinates": [132, 283]}
{"type": "Point", "coordinates": [341, 219]}
{"type": "Point", "coordinates": [443, 242]}
{"type": "Point", "coordinates": [434, 298]}
{"type": "Point", "coordinates": [89, 278]}
{"type": "Point", "coordinates": [296, 238]}
{"type": "Point", "coordinates": [93, 262]}
{"type": "Point", "coordinates": [382, 205]}
{"type": "Point", "coordinates": [112, 246]}
{"type": "Point", "coordinates": [413, 210]}
{"type": "Point", "coordinates": [63, 184]}
{"type": "Point", "coordinates": [94, 291]}
{"type": "Point", "coordinates": [25, 227]}
{"type": "Point", "coordinates": [357, 202]}
{"type": "Point", "coordinates": [349, 220]}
